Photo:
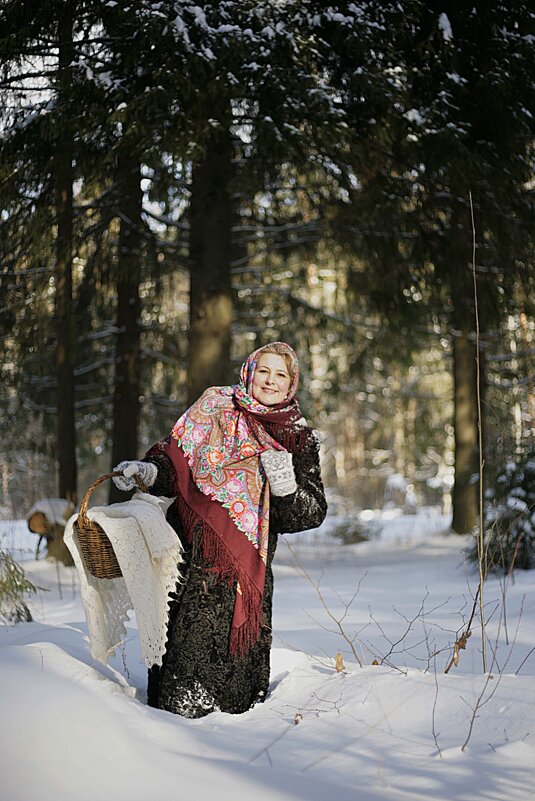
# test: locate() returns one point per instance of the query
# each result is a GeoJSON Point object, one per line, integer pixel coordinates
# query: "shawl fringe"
{"type": "Point", "coordinates": [247, 620]}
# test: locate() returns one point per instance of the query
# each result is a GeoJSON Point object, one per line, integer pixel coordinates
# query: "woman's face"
{"type": "Point", "coordinates": [271, 380]}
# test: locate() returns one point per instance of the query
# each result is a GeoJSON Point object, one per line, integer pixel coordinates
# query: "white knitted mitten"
{"type": "Point", "coordinates": [145, 471]}
{"type": "Point", "coordinates": [279, 471]}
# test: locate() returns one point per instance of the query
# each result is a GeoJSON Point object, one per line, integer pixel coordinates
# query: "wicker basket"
{"type": "Point", "coordinates": [97, 551]}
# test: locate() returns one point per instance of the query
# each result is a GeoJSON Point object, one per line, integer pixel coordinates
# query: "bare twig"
{"type": "Point", "coordinates": [336, 620]}
{"type": "Point", "coordinates": [433, 714]}
{"type": "Point", "coordinates": [58, 577]}
{"type": "Point", "coordinates": [410, 623]}
{"type": "Point", "coordinates": [460, 643]}
{"type": "Point", "coordinates": [517, 671]}
{"type": "Point", "coordinates": [329, 661]}
{"type": "Point", "coordinates": [481, 699]}
{"type": "Point", "coordinates": [481, 533]}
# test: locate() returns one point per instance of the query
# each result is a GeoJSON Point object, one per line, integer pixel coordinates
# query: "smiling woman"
{"type": "Point", "coordinates": [243, 467]}
{"type": "Point", "coordinates": [272, 379]}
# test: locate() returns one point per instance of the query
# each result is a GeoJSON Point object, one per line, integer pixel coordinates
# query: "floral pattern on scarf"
{"type": "Point", "coordinates": [223, 447]}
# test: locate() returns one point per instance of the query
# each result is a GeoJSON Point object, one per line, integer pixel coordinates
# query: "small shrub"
{"type": "Point", "coordinates": [510, 519]}
{"type": "Point", "coordinates": [13, 587]}
{"type": "Point", "coordinates": [349, 532]}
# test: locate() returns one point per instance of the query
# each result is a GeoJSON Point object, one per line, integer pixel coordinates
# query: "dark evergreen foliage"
{"type": "Point", "coordinates": [510, 519]}
{"type": "Point", "coordinates": [347, 136]}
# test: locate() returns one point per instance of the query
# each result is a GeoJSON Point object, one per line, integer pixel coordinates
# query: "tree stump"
{"type": "Point", "coordinates": [53, 532]}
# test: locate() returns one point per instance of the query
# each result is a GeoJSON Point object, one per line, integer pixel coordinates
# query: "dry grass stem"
{"type": "Point", "coordinates": [481, 534]}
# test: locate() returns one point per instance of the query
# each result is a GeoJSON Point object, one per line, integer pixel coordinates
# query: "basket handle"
{"type": "Point", "coordinates": [84, 503]}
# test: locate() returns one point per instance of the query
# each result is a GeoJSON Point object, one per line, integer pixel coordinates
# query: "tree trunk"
{"type": "Point", "coordinates": [398, 430]}
{"type": "Point", "coordinates": [66, 442]}
{"type": "Point", "coordinates": [410, 438]}
{"type": "Point", "coordinates": [465, 490]}
{"type": "Point", "coordinates": [56, 548]}
{"type": "Point", "coordinates": [127, 364]}
{"type": "Point", "coordinates": [211, 218]}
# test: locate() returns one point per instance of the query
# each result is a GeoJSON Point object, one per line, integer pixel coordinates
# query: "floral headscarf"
{"type": "Point", "coordinates": [249, 366]}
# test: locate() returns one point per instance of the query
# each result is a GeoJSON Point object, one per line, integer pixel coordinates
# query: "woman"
{"type": "Point", "coordinates": [243, 467]}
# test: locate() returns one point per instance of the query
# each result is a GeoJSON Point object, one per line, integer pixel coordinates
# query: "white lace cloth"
{"type": "Point", "coordinates": [149, 552]}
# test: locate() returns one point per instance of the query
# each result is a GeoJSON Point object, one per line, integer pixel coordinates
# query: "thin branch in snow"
{"type": "Point", "coordinates": [481, 699]}
{"type": "Point", "coordinates": [336, 620]}
{"type": "Point", "coordinates": [434, 711]}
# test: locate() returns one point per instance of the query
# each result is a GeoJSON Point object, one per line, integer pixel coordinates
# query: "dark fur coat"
{"type": "Point", "coordinates": [198, 674]}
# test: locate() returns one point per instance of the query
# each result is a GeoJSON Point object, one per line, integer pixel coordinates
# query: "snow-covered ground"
{"type": "Point", "coordinates": [74, 729]}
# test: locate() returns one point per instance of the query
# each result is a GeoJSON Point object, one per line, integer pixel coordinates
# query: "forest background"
{"type": "Point", "coordinates": [182, 183]}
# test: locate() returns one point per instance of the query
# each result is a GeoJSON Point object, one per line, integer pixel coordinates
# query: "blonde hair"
{"type": "Point", "coordinates": [280, 349]}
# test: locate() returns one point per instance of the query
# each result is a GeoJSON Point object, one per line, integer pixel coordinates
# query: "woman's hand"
{"type": "Point", "coordinates": [279, 469]}
{"type": "Point", "coordinates": [145, 471]}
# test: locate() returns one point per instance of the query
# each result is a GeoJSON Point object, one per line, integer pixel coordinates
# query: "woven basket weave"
{"type": "Point", "coordinates": [97, 551]}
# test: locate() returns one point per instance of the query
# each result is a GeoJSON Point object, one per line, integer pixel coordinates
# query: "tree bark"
{"type": "Point", "coordinates": [465, 490]}
{"type": "Point", "coordinates": [66, 440]}
{"type": "Point", "coordinates": [211, 216]}
{"type": "Point", "coordinates": [126, 404]}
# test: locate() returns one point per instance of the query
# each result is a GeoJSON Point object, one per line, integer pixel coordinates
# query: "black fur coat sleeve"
{"type": "Point", "coordinates": [306, 508]}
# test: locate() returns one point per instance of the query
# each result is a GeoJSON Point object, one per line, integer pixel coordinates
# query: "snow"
{"type": "Point", "coordinates": [385, 732]}
{"type": "Point", "coordinates": [396, 481]}
{"type": "Point", "coordinates": [455, 77]}
{"type": "Point", "coordinates": [516, 504]}
{"type": "Point", "coordinates": [445, 26]}
{"type": "Point", "coordinates": [56, 510]}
